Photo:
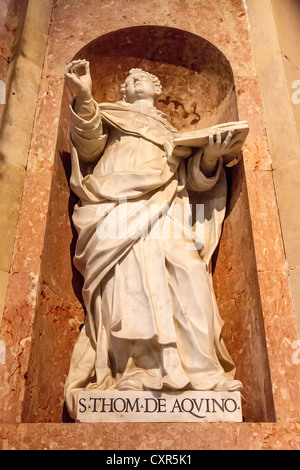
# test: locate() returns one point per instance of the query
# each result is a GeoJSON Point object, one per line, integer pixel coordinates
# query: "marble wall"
{"type": "Point", "coordinates": [23, 40]}
{"type": "Point", "coordinates": [11, 20]}
{"type": "Point", "coordinates": [198, 91]}
{"type": "Point", "coordinates": [43, 309]}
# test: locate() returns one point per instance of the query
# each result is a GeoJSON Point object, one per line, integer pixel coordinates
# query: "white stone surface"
{"type": "Point", "coordinates": [128, 406]}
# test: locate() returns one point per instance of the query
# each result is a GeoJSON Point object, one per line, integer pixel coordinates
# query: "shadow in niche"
{"type": "Point", "coordinates": [77, 279]}
{"type": "Point", "coordinates": [65, 417]}
{"type": "Point", "coordinates": [232, 199]}
{"type": "Point", "coordinates": [197, 81]}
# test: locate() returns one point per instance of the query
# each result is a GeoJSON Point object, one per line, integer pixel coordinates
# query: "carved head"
{"type": "Point", "coordinates": [140, 85]}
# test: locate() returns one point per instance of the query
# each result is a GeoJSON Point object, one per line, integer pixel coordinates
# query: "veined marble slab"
{"type": "Point", "coordinates": [138, 406]}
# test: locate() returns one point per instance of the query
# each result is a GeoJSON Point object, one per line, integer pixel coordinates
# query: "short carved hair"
{"type": "Point", "coordinates": [153, 78]}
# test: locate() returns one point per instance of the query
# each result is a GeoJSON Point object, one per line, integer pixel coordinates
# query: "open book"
{"type": "Point", "coordinates": [239, 130]}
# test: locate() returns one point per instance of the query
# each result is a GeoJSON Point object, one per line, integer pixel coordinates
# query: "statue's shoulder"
{"type": "Point", "coordinates": [118, 106]}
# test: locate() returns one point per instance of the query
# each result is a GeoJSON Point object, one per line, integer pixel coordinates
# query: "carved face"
{"type": "Point", "coordinates": [139, 86]}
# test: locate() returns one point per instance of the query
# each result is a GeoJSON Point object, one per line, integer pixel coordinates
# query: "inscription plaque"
{"type": "Point", "coordinates": [129, 406]}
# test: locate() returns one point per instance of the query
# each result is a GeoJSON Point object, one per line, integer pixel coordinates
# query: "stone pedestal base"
{"type": "Point", "coordinates": [134, 406]}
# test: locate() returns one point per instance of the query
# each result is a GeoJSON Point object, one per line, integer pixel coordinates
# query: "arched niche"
{"type": "Point", "coordinates": [198, 91]}
{"type": "Point", "coordinates": [197, 79]}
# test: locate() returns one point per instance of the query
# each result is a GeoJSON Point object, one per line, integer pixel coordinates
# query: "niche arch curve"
{"type": "Point", "coordinates": [197, 78]}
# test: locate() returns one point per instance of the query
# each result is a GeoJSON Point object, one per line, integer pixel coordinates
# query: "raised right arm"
{"type": "Point", "coordinates": [80, 87]}
{"type": "Point", "coordinates": [86, 124]}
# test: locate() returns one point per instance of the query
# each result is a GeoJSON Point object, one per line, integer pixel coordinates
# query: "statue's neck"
{"type": "Point", "coordinates": [144, 104]}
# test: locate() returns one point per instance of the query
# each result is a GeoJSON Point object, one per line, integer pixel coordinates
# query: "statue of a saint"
{"type": "Point", "coordinates": [152, 321]}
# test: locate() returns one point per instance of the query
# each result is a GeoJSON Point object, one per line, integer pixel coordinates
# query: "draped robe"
{"type": "Point", "coordinates": [151, 313]}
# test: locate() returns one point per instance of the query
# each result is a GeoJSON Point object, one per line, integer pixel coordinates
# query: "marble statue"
{"type": "Point", "coordinates": [152, 322]}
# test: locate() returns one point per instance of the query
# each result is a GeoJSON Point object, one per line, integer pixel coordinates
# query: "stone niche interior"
{"type": "Point", "coordinates": [198, 91]}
